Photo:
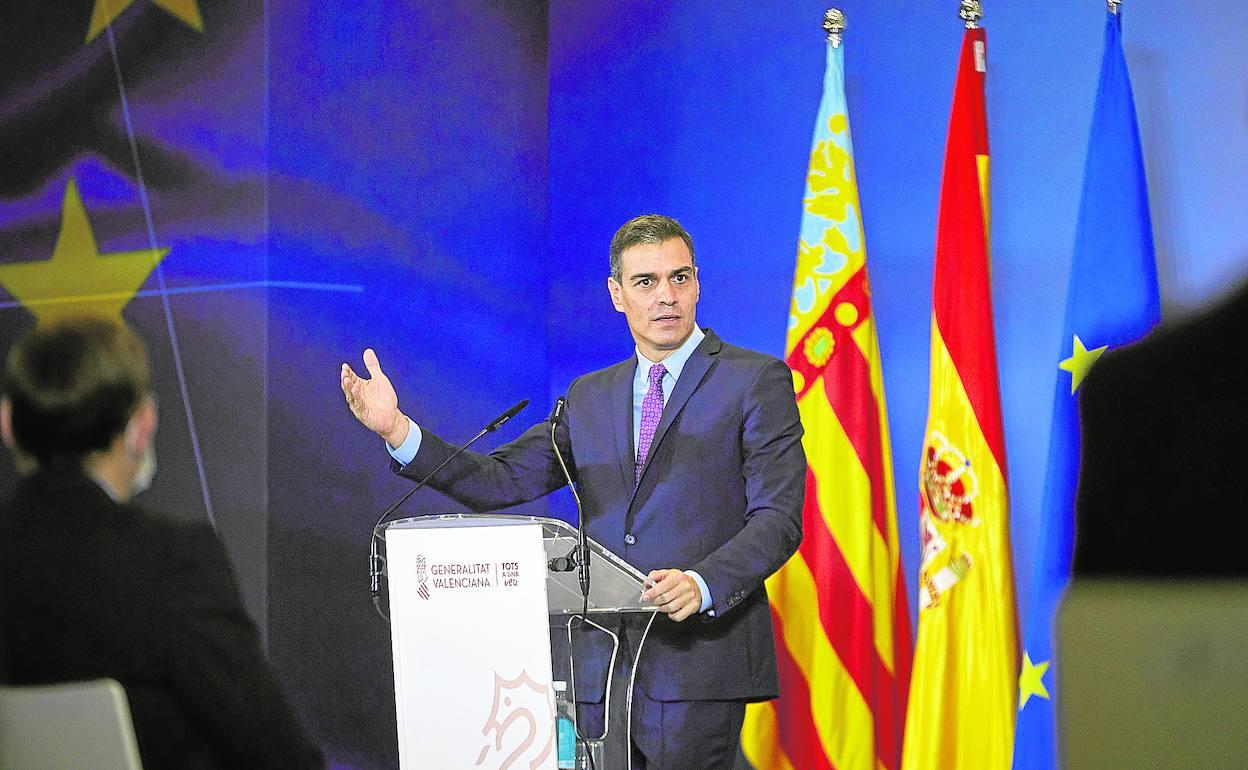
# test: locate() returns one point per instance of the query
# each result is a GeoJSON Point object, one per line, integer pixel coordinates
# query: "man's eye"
{"type": "Point", "coordinates": [644, 282]}
{"type": "Point", "coordinates": [680, 278]}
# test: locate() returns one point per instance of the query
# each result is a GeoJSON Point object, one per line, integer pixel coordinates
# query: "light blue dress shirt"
{"type": "Point", "coordinates": [675, 364]}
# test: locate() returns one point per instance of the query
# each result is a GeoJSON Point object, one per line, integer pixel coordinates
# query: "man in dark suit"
{"type": "Point", "coordinates": [93, 586]}
{"type": "Point", "coordinates": [1165, 449]}
{"type": "Point", "coordinates": [689, 464]}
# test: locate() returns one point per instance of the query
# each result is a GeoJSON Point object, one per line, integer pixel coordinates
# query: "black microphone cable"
{"type": "Point", "coordinates": [579, 557]}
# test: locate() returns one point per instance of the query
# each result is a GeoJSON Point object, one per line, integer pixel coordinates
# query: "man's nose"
{"type": "Point", "coordinates": [666, 294]}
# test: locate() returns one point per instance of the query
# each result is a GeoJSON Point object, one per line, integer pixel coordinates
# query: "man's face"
{"type": "Point", "coordinates": [657, 293]}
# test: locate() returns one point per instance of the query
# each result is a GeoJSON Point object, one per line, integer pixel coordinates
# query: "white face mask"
{"type": "Point", "coordinates": [146, 472]}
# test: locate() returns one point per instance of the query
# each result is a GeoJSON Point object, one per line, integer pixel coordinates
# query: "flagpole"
{"type": "Point", "coordinates": [971, 12]}
{"type": "Point", "coordinates": [834, 25]}
{"type": "Point", "coordinates": [844, 676]}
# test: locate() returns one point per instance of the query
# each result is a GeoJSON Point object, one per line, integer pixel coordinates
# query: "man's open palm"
{"type": "Point", "coordinates": [373, 400]}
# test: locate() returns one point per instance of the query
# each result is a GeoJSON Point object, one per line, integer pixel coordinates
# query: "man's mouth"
{"type": "Point", "coordinates": [665, 318]}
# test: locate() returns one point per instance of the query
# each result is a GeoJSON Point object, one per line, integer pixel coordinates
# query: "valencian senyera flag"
{"type": "Point", "coordinates": [839, 605]}
{"type": "Point", "coordinates": [1112, 300]}
{"type": "Point", "coordinates": [964, 689]}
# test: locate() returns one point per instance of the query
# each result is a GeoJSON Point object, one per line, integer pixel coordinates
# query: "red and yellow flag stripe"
{"type": "Point", "coordinates": [839, 605]}
{"type": "Point", "coordinates": [964, 685]}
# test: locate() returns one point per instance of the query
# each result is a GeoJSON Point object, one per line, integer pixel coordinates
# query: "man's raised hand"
{"type": "Point", "coordinates": [374, 402]}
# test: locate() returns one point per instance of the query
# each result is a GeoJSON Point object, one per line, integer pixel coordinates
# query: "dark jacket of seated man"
{"type": "Point", "coordinates": [1164, 467]}
{"type": "Point", "coordinates": [93, 586]}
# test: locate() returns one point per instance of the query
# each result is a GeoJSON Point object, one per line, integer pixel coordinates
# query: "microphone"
{"type": "Point", "coordinates": [376, 562]}
{"type": "Point", "coordinates": [560, 563]}
{"type": "Point", "coordinates": [498, 421]}
{"type": "Point", "coordinates": [579, 558]}
{"type": "Point", "coordinates": [556, 412]}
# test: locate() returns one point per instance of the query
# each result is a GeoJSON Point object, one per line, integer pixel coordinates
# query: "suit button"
{"type": "Point", "coordinates": [629, 539]}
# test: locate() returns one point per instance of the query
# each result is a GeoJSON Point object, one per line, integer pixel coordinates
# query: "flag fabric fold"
{"type": "Point", "coordinates": [963, 690]}
{"type": "Point", "coordinates": [1112, 300]}
{"type": "Point", "coordinates": [839, 605]}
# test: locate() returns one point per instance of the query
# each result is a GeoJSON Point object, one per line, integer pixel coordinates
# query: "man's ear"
{"type": "Point", "coordinates": [613, 286]}
{"type": "Point", "coordinates": [25, 463]}
{"type": "Point", "coordinates": [141, 429]}
{"type": "Point", "coordinates": [6, 423]}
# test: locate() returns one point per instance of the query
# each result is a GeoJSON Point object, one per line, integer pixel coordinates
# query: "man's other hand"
{"type": "Point", "coordinates": [374, 402]}
{"type": "Point", "coordinates": [674, 593]}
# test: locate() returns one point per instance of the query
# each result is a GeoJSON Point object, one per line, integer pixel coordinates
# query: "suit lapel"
{"type": "Point", "coordinates": [622, 413]}
{"type": "Point", "coordinates": [696, 369]}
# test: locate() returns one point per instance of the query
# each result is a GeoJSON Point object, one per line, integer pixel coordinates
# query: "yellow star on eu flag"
{"type": "Point", "coordinates": [78, 279]}
{"type": "Point", "coordinates": [1080, 362]}
{"type": "Point", "coordinates": [107, 10]}
{"type": "Point", "coordinates": [1031, 680]}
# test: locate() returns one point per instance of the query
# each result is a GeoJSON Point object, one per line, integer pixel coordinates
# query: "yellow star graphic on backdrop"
{"type": "Point", "coordinates": [1080, 362]}
{"type": "Point", "coordinates": [1031, 680]}
{"type": "Point", "coordinates": [78, 278]}
{"type": "Point", "coordinates": [107, 10]}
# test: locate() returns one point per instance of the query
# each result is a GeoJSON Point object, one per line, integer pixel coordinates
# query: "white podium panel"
{"type": "Point", "coordinates": [472, 662]}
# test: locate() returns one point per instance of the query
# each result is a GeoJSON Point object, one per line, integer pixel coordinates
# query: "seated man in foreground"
{"type": "Point", "coordinates": [93, 586]}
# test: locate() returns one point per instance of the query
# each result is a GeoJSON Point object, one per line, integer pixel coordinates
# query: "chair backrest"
{"type": "Point", "coordinates": [72, 726]}
{"type": "Point", "coordinates": [1153, 674]}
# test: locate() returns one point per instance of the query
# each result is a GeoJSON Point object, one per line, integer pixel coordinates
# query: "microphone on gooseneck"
{"type": "Point", "coordinates": [377, 562]}
{"type": "Point", "coordinates": [497, 422]}
{"type": "Point", "coordinates": [579, 558]}
{"type": "Point", "coordinates": [560, 563]}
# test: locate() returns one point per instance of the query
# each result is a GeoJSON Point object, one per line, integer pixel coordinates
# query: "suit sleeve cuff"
{"type": "Point", "coordinates": [706, 592]}
{"type": "Point", "coordinates": [406, 452]}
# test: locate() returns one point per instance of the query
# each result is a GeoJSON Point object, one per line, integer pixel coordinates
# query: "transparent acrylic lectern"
{"type": "Point", "coordinates": [466, 593]}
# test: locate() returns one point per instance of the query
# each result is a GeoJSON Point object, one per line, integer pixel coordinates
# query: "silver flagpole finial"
{"type": "Point", "coordinates": [971, 12]}
{"type": "Point", "coordinates": [1113, 6]}
{"type": "Point", "coordinates": [834, 25]}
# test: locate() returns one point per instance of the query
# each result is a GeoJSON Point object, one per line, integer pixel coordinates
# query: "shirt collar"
{"type": "Point", "coordinates": [674, 363]}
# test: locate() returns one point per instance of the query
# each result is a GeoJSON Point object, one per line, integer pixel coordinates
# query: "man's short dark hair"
{"type": "Point", "coordinates": [73, 385]}
{"type": "Point", "coordinates": [647, 228]}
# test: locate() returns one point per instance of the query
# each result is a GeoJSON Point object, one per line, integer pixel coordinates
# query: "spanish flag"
{"type": "Point", "coordinates": [964, 691]}
{"type": "Point", "coordinates": [839, 605]}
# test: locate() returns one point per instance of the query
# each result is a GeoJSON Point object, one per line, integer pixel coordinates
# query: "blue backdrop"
{"type": "Point", "coordinates": [439, 180]}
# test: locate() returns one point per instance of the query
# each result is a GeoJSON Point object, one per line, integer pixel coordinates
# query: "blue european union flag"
{"type": "Point", "coordinates": [1112, 300]}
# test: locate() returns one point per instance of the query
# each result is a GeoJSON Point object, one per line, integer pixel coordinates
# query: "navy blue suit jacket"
{"type": "Point", "coordinates": [721, 493]}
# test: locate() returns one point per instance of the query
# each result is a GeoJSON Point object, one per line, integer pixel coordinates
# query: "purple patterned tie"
{"type": "Point", "coordinates": [651, 411]}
